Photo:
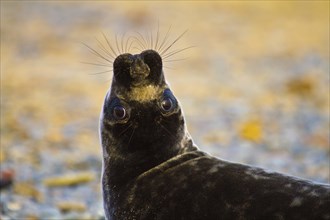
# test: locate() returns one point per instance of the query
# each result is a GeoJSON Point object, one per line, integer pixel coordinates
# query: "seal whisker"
{"type": "Point", "coordinates": [176, 40]}
{"type": "Point", "coordinates": [170, 68]}
{"type": "Point", "coordinates": [97, 64]}
{"type": "Point", "coordinates": [139, 42]}
{"type": "Point", "coordinates": [122, 42]}
{"type": "Point", "coordinates": [145, 43]}
{"type": "Point", "coordinates": [164, 120]}
{"type": "Point", "coordinates": [103, 48]}
{"type": "Point", "coordinates": [147, 39]}
{"type": "Point", "coordinates": [175, 60]}
{"type": "Point", "coordinates": [164, 40]}
{"type": "Point", "coordinates": [117, 44]}
{"type": "Point", "coordinates": [126, 45]}
{"type": "Point", "coordinates": [129, 141]}
{"type": "Point", "coordinates": [96, 53]}
{"type": "Point", "coordinates": [107, 71]}
{"type": "Point", "coordinates": [165, 129]}
{"type": "Point", "coordinates": [126, 129]}
{"type": "Point", "coordinates": [111, 48]}
{"type": "Point", "coordinates": [151, 39]}
{"type": "Point", "coordinates": [138, 48]}
{"type": "Point", "coordinates": [169, 54]}
{"type": "Point", "coordinates": [157, 35]}
{"type": "Point", "coordinates": [129, 48]}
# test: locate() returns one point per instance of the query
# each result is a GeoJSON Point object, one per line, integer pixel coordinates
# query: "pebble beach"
{"type": "Point", "coordinates": [252, 79]}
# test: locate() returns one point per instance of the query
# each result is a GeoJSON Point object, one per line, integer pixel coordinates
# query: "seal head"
{"type": "Point", "coordinates": [141, 122]}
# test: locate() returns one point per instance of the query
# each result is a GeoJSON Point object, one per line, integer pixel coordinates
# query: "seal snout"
{"type": "Point", "coordinates": [139, 69]}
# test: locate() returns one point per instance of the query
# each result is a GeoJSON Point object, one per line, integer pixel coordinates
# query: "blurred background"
{"type": "Point", "coordinates": [254, 88]}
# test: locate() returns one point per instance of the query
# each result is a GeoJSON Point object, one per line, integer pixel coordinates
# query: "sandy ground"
{"type": "Point", "coordinates": [254, 88]}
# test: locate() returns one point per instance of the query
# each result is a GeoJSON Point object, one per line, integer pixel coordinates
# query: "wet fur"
{"type": "Point", "coordinates": [152, 169]}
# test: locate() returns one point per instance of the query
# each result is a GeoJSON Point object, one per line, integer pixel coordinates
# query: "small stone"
{"type": "Point", "coordinates": [2, 155]}
{"type": "Point", "coordinates": [251, 130]}
{"type": "Point", "coordinates": [51, 213]}
{"type": "Point", "coordinates": [28, 189]}
{"type": "Point", "coordinates": [6, 178]}
{"type": "Point", "coordinates": [32, 217]}
{"type": "Point", "coordinates": [301, 86]}
{"type": "Point", "coordinates": [69, 179]}
{"type": "Point", "coordinates": [67, 206]}
{"type": "Point", "coordinates": [14, 206]}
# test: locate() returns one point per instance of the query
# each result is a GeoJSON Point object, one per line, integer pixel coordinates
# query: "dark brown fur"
{"type": "Point", "coordinates": [152, 170]}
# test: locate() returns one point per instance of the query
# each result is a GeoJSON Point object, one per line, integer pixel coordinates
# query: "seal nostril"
{"type": "Point", "coordinates": [139, 69]}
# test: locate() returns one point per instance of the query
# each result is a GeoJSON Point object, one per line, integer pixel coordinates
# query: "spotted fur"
{"type": "Point", "coordinates": [152, 169]}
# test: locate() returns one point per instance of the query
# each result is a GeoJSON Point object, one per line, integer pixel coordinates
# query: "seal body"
{"type": "Point", "coordinates": [197, 186]}
{"type": "Point", "coordinates": [152, 169]}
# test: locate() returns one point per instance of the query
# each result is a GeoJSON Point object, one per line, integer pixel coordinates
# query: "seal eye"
{"type": "Point", "coordinates": [167, 104]}
{"type": "Point", "coordinates": [119, 112]}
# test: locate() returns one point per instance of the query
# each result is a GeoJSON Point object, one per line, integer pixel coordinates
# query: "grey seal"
{"type": "Point", "coordinates": [153, 170]}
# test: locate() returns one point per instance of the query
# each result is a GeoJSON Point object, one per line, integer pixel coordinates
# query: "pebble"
{"type": "Point", "coordinates": [67, 206]}
{"type": "Point", "coordinates": [28, 189]}
{"type": "Point", "coordinates": [69, 179]}
{"type": "Point", "coordinates": [14, 206]}
{"type": "Point", "coordinates": [6, 178]}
